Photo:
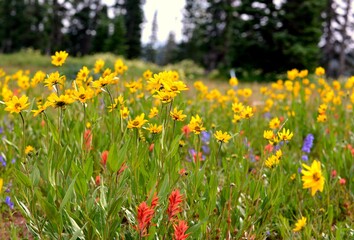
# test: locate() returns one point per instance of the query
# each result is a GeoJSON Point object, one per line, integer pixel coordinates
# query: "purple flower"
{"type": "Point", "coordinates": [299, 169]}
{"type": "Point", "coordinates": [308, 143]}
{"type": "Point", "coordinates": [1, 130]}
{"type": "Point", "coordinates": [2, 161]}
{"type": "Point", "coordinates": [13, 161]}
{"type": "Point", "coordinates": [206, 149]}
{"type": "Point", "coordinates": [205, 136]}
{"type": "Point", "coordinates": [9, 203]}
{"type": "Point", "coordinates": [305, 157]}
{"type": "Point", "coordinates": [267, 115]}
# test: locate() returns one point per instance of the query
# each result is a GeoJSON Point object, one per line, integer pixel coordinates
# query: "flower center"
{"type": "Point", "coordinates": [316, 177]}
{"type": "Point", "coordinates": [136, 123]}
{"type": "Point", "coordinates": [18, 105]}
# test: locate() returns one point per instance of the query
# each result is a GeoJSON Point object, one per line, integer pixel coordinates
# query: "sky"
{"type": "Point", "coordinates": [169, 18]}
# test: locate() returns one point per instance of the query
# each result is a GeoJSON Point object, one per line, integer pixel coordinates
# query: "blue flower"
{"type": "Point", "coordinates": [308, 143]}
{"type": "Point", "coordinates": [9, 203]}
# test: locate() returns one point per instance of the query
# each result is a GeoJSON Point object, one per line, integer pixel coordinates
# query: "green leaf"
{"type": "Point", "coordinates": [116, 157]}
{"type": "Point", "coordinates": [35, 176]}
{"type": "Point", "coordinates": [68, 194]}
{"type": "Point", "coordinates": [88, 168]}
{"type": "Point", "coordinates": [54, 131]}
{"type": "Point", "coordinates": [23, 178]}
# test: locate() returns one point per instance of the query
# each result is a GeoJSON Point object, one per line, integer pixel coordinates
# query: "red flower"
{"type": "Point", "coordinates": [98, 180]}
{"type": "Point", "coordinates": [151, 147]}
{"type": "Point", "coordinates": [154, 201]}
{"type": "Point", "coordinates": [186, 130]}
{"type": "Point", "coordinates": [174, 201]}
{"type": "Point", "coordinates": [182, 172]}
{"type": "Point", "coordinates": [334, 173]}
{"type": "Point", "coordinates": [268, 148]}
{"type": "Point", "coordinates": [342, 181]}
{"type": "Point", "coordinates": [145, 214]}
{"type": "Point", "coordinates": [180, 230]}
{"type": "Point", "coordinates": [104, 156]}
{"type": "Point", "coordinates": [88, 139]}
{"type": "Point", "coordinates": [122, 168]}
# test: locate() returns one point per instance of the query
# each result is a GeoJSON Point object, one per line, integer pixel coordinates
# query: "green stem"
{"type": "Point", "coordinates": [23, 136]}
{"type": "Point", "coordinates": [217, 155]}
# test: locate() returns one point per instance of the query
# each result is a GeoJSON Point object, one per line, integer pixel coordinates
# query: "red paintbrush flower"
{"type": "Point", "coordinates": [104, 156]}
{"type": "Point", "coordinates": [180, 230]}
{"type": "Point", "coordinates": [88, 139]}
{"type": "Point", "coordinates": [154, 201]}
{"type": "Point", "coordinates": [174, 201]}
{"type": "Point", "coordinates": [145, 214]}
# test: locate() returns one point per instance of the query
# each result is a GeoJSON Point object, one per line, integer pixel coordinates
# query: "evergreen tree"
{"type": "Point", "coordinates": [150, 49]}
{"type": "Point", "coordinates": [133, 19]}
{"type": "Point", "coordinates": [117, 42]}
{"type": "Point", "coordinates": [300, 33]}
{"type": "Point", "coordinates": [101, 39]}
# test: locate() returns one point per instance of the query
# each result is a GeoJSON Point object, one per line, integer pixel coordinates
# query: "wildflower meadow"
{"type": "Point", "coordinates": [109, 154]}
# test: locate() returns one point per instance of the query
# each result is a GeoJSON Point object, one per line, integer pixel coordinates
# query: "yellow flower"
{"type": "Point", "coordinates": [300, 224]}
{"type": "Point", "coordinates": [268, 134]}
{"type": "Point", "coordinates": [37, 78]}
{"type": "Point", "coordinates": [285, 135]}
{"type": "Point", "coordinates": [274, 123]}
{"type": "Point", "coordinates": [59, 58]}
{"type": "Point", "coordinates": [83, 94]}
{"type": "Point", "coordinates": [59, 101]}
{"type": "Point", "coordinates": [134, 85]}
{"type": "Point", "coordinates": [292, 74]}
{"type": "Point", "coordinates": [237, 107]}
{"type": "Point", "coordinates": [138, 122]}
{"type": "Point", "coordinates": [154, 129]}
{"type": "Point", "coordinates": [54, 79]}
{"type": "Point", "coordinates": [312, 177]}
{"type": "Point", "coordinates": [16, 105]}
{"type": "Point", "coordinates": [83, 74]}
{"type": "Point", "coordinates": [320, 71]}
{"type": "Point", "coordinates": [29, 149]}
{"type": "Point", "coordinates": [98, 66]}
{"type": "Point", "coordinates": [41, 108]}
{"type": "Point", "coordinates": [196, 125]}
{"type": "Point", "coordinates": [103, 81]}
{"type": "Point", "coordinates": [222, 137]}
{"type": "Point", "coordinates": [147, 74]}
{"type": "Point", "coordinates": [303, 73]}
{"type": "Point", "coordinates": [119, 67]}
{"type": "Point", "coordinates": [247, 112]}
{"type": "Point", "coordinates": [124, 112]}
{"type": "Point", "coordinates": [165, 97]}
{"type": "Point", "coordinates": [1, 184]}
{"type": "Point", "coordinates": [236, 118]}
{"type": "Point", "coordinates": [177, 115]}
{"type": "Point", "coordinates": [153, 112]}
{"type": "Point", "coordinates": [233, 81]}
{"type": "Point", "coordinates": [271, 161]}
{"type": "Point", "coordinates": [322, 118]}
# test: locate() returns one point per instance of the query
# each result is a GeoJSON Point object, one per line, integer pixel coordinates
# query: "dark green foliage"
{"type": "Point", "coordinates": [133, 19]}
{"type": "Point", "coordinates": [252, 34]}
